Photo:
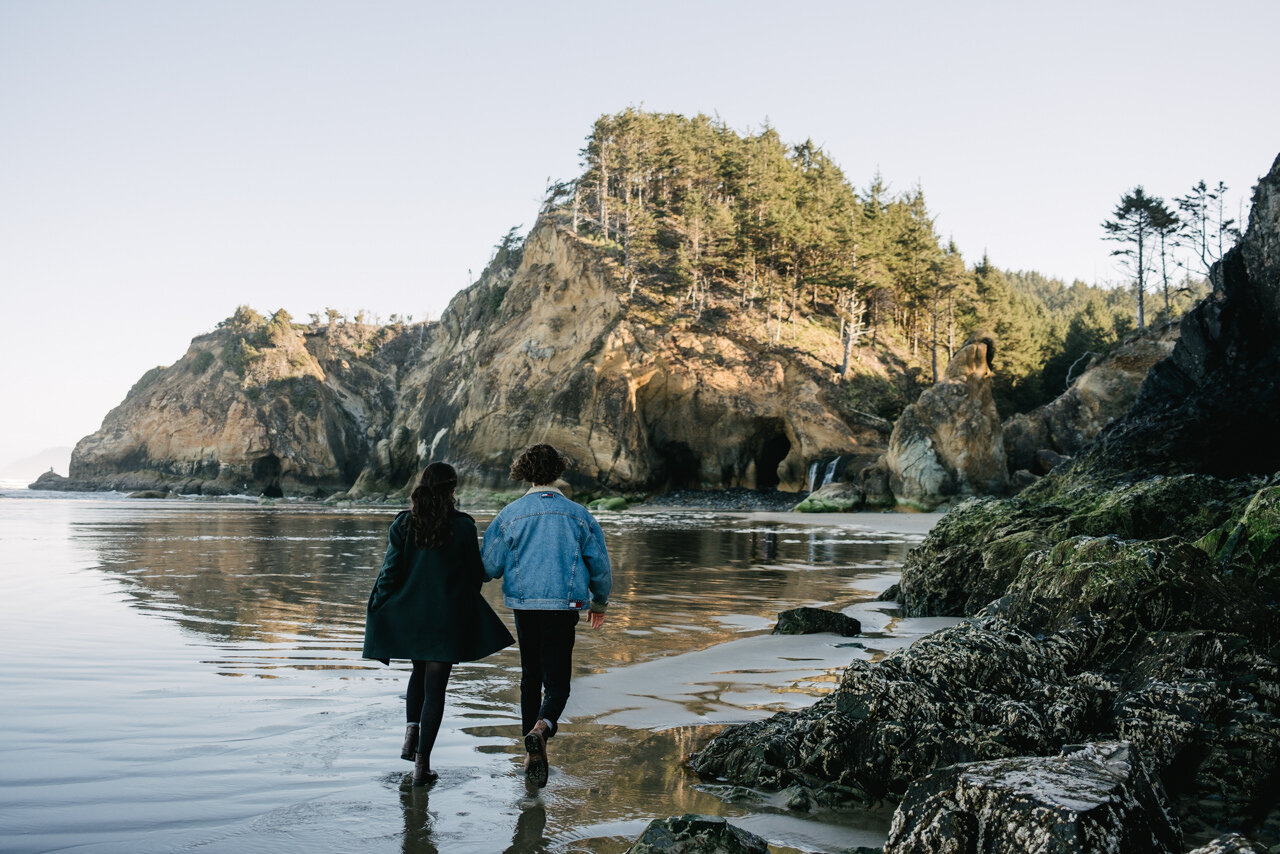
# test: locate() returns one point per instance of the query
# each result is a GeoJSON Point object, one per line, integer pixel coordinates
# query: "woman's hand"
{"type": "Point", "coordinates": [595, 618]}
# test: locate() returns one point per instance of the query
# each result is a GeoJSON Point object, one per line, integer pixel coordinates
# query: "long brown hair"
{"type": "Point", "coordinates": [433, 505]}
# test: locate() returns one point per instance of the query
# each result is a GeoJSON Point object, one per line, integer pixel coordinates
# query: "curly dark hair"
{"type": "Point", "coordinates": [539, 464]}
{"type": "Point", "coordinates": [433, 505]}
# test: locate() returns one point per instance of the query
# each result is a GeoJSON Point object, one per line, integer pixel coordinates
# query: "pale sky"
{"type": "Point", "coordinates": [163, 162]}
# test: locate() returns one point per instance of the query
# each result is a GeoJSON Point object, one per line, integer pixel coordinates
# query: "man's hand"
{"type": "Point", "coordinates": [595, 618]}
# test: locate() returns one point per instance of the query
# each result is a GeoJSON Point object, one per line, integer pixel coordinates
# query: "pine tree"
{"type": "Point", "coordinates": [1134, 228]}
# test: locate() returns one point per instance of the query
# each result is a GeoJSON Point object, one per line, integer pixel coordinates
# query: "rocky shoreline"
{"type": "Point", "coordinates": [1116, 684]}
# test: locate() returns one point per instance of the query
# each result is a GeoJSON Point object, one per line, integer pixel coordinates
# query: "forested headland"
{"type": "Point", "coordinates": [723, 227]}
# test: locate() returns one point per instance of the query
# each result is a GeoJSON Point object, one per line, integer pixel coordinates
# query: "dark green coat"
{"type": "Point", "coordinates": [426, 603]}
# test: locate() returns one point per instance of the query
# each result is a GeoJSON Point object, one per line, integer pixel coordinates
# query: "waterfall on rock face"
{"type": "Point", "coordinates": [830, 474]}
{"type": "Point", "coordinates": [813, 474]}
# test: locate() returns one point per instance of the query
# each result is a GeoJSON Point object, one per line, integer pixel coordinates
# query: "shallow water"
{"type": "Point", "coordinates": [187, 675]}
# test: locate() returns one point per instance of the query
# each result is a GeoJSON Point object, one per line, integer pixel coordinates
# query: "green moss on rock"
{"type": "Point", "coordinates": [1250, 540]}
{"type": "Point", "coordinates": [615, 502]}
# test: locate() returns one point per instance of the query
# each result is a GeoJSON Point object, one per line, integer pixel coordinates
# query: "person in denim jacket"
{"type": "Point", "coordinates": [549, 552]}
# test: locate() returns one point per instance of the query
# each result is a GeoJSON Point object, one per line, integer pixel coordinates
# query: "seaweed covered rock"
{"type": "Point", "coordinates": [696, 834]}
{"type": "Point", "coordinates": [976, 551]}
{"type": "Point", "coordinates": [1251, 540]}
{"type": "Point", "coordinates": [1137, 585]}
{"type": "Point", "coordinates": [808, 621]}
{"type": "Point", "coordinates": [979, 690]}
{"type": "Point", "coordinates": [1094, 639]}
{"type": "Point", "coordinates": [1230, 843]}
{"type": "Point", "coordinates": [1092, 798]}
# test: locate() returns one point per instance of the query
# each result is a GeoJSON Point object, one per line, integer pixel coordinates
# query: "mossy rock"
{"type": "Point", "coordinates": [1150, 585]}
{"type": "Point", "coordinates": [1186, 505]}
{"type": "Point", "coordinates": [615, 502]}
{"type": "Point", "coordinates": [1250, 540]}
{"type": "Point", "coordinates": [839, 497]}
{"type": "Point", "coordinates": [820, 505]}
{"type": "Point", "coordinates": [972, 554]}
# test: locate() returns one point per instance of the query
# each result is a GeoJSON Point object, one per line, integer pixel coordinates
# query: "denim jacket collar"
{"type": "Point", "coordinates": [548, 488]}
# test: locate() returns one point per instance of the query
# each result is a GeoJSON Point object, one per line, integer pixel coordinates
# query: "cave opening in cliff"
{"type": "Point", "coordinates": [266, 476]}
{"type": "Point", "coordinates": [773, 450]}
{"type": "Point", "coordinates": [680, 465]}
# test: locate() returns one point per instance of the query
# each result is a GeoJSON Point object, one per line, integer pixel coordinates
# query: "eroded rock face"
{"type": "Point", "coordinates": [1103, 392]}
{"type": "Point", "coordinates": [556, 351]}
{"type": "Point", "coordinates": [1093, 797]}
{"type": "Point", "coordinates": [252, 407]}
{"type": "Point", "coordinates": [948, 444]}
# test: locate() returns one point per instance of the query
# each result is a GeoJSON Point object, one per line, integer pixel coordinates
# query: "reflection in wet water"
{"type": "Point", "coordinates": [190, 675]}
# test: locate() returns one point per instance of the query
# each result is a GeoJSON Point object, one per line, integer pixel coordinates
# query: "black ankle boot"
{"type": "Point", "coordinates": [410, 746]}
{"type": "Point", "coordinates": [422, 773]}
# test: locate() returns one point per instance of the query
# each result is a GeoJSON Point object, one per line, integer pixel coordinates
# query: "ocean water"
{"type": "Point", "coordinates": [185, 675]}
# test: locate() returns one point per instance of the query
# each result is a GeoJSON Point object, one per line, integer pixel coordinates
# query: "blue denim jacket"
{"type": "Point", "coordinates": [550, 554]}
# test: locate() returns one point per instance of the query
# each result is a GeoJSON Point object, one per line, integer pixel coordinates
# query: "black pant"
{"type": "Point", "coordinates": [424, 700]}
{"type": "Point", "coordinates": [546, 662]}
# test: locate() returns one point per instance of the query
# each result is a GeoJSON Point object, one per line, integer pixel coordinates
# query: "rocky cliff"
{"type": "Point", "coordinates": [557, 350]}
{"type": "Point", "coordinates": [1129, 600]}
{"type": "Point", "coordinates": [255, 406]}
{"type": "Point", "coordinates": [548, 345]}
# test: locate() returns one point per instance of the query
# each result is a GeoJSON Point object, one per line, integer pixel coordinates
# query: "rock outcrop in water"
{"type": "Point", "coordinates": [548, 345]}
{"type": "Point", "coordinates": [1131, 595]}
{"type": "Point", "coordinates": [255, 406]}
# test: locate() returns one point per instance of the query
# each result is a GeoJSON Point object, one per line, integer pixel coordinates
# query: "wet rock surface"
{"type": "Point", "coordinates": [696, 834]}
{"type": "Point", "coordinates": [1230, 843]}
{"type": "Point", "coordinates": [808, 621]}
{"type": "Point", "coordinates": [1130, 595]}
{"type": "Point", "coordinates": [1095, 797]}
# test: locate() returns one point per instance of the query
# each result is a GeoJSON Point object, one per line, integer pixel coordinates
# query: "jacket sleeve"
{"type": "Point", "coordinates": [393, 569]}
{"type": "Point", "coordinates": [495, 553]}
{"type": "Point", "coordinates": [599, 570]}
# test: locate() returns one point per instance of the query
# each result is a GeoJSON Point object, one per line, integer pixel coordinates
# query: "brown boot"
{"type": "Point", "coordinates": [535, 742]}
{"type": "Point", "coordinates": [422, 773]}
{"type": "Point", "coordinates": [410, 745]}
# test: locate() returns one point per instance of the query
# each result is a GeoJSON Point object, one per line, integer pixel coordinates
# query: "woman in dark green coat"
{"type": "Point", "coordinates": [426, 606]}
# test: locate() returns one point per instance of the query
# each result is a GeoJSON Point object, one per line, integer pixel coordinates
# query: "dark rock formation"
{"type": "Point", "coordinates": [1092, 798]}
{"type": "Point", "coordinates": [1230, 843]}
{"type": "Point", "coordinates": [1132, 594]}
{"type": "Point", "coordinates": [697, 834]}
{"type": "Point", "coordinates": [808, 621]}
{"type": "Point", "coordinates": [948, 443]}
